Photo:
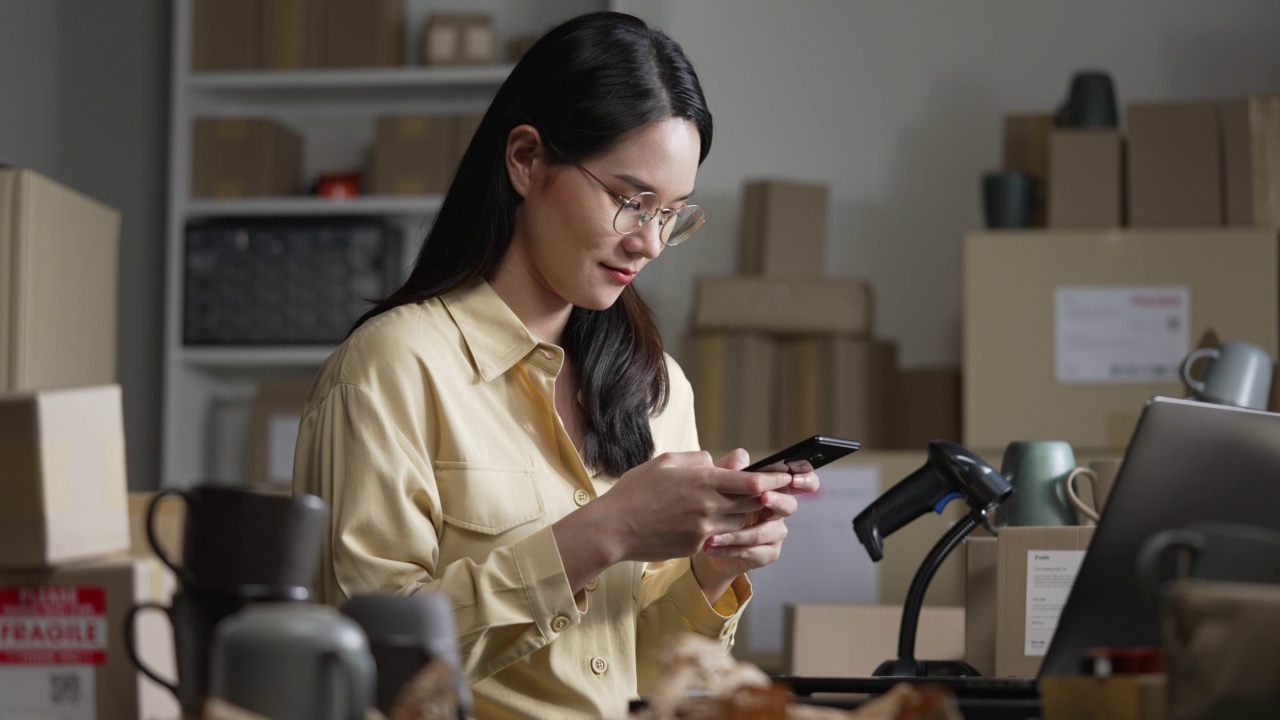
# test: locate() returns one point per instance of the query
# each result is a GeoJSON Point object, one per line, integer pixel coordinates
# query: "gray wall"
{"type": "Point", "coordinates": [896, 105]}
{"type": "Point", "coordinates": [83, 100]}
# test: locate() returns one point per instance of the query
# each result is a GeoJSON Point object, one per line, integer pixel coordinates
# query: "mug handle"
{"type": "Point", "coordinates": [1069, 484]}
{"type": "Point", "coordinates": [181, 572]}
{"type": "Point", "coordinates": [1190, 360]}
{"type": "Point", "coordinates": [131, 644]}
{"type": "Point", "coordinates": [1153, 549]}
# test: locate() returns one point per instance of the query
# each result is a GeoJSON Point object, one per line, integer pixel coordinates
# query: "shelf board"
{"type": "Point", "coordinates": [357, 79]}
{"type": "Point", "coordinates": [256, 356]}
{"type": "Point", "coordinates": [307, 206]}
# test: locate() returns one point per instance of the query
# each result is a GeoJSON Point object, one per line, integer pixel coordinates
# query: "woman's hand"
{"type": "Point", "coordinates": [667, 508]}
{"type": "Point", "coordinates": [759, 543]}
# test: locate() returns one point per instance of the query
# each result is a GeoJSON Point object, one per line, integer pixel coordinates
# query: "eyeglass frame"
{"type": "Point", "coordinates": [623, 201]}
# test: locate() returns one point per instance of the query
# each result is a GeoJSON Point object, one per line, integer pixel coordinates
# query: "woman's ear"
{"type": "Point", "coordinates": [524, 149]}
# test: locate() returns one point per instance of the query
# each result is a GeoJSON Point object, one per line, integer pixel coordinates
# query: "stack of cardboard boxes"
{"type": "Point", "coordinates": [782, 352]}
{"type": "Point", "coordinates": [1156, 237]}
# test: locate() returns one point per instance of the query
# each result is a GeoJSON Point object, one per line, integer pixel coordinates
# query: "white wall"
{"type": "Point", "coordinates": [83, 100]}
{"type": "Point", "coordinates": [897, 106]}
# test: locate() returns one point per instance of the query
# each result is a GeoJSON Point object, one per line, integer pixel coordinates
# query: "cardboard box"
{"type": "Point", "coordinates": [245, 157]}
{"type": "Point", "coordinates": [277, 413]}
{"type": "Point", "coordinates": [63, 495]}
{"type": "Point", "coordinates": [1251, 160]}
{"type": "Point", "coordinates": [1084, 185]}
{"type": "Point", "coordinates": [87, 673]}
{"type": "Point", "coordinates": [980, 600]}
{"type": "Point", "coordinates": [292, 34]}
{"type": "Point", "coordinates": [58, 256]}
{"type": "Point", "coordinates": [837, 640]}
{"type": "Point", "coordinates": [364, 33]}
{"type": "Point", "coordinates": [784, 229]}
{"type": "Point", "coordinates": [1026, 149]}
{"type": "Point", "coordinates": [1175, 165]}
{"type": "Point", "coordinates": [414, 154]}
{"type": "Point", "coordinates": [226, 35]}
{"type": "Point", "coordinates": [786, 306]}
{"type": "Point", "coordinates": [1027, 560]}
{"type": "Point", "coordinates": [459, 39]}
{"type": "Point", "coordinates": [836, 385]}
{"type": "Point", "coordinates": [1119, 697]}
{"type": "Point", "coordinates": [928, 407]}
{"type": "Point", "coordinates": [733, 389]}
{"type": "Point", "coordinates": [1068, 334]}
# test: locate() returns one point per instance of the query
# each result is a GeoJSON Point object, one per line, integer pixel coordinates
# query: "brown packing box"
{"type": "Point", "coordinates": [733, 378]}
{"type": "Point", "coordinates": [245, 157]}
{"type": "Point", "coordinates": [1026, 149]}
{"type": "Point", "coordinates": [1251, 160]}
{"type": "Point", "coordinates": [414, 154]}
{"type": "Point", "coordinates": [1174, 165]}
{"type": "Point", "coordinates": [58, 285]}
{"type": "Point", "coordinates": [93, 678]}
{"type": "Point", "coordinates": [836, 385]}
{"type": "Point", "coordinates": [364, 33]}
{"type": "Point", "coordinates": [292, 34]}
{"type": "Point", "coordinates": [1085, 173]}
{"type": "Point", "coordinates": [980, 600]}
{"type": "Point", "coordinates": [459, 39]}
{"type": "Point", "coordinates": [1022, 637]}
{"type": "Point", "coordinates": [63, 495]}
{"type": "Point", "coordinates": [928, 407]}
{"type": "Point", "coordinates": [277, 412]}
{"type": "Point", "coordinates": [226, 35]}
{"type": "Point", "coordinates": [784, 229]}
{"type": "Point", "coordinates": [1024, 289]}
{"type": "Point", "coordinates": [466, 129]}
{"type": "Point", "coordinates": [839, 640]}
{"type": "Point", "coordinates": [795, 306]}
{"type": "Point", "coordinates": [1119, 697]}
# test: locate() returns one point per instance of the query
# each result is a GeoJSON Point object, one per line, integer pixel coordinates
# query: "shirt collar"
{"type": "Point", "coordinates": [496, 338]}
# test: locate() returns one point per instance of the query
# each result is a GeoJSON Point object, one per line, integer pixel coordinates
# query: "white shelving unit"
{"type": "Point", "coordinates": [209, 390]}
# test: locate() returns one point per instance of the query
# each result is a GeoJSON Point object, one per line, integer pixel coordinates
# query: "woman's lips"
{"type": "Point", "coordinates": [622, 275]}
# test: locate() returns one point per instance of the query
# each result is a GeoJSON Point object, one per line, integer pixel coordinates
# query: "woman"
{"type": "Point", "coordinates": [506, 429]}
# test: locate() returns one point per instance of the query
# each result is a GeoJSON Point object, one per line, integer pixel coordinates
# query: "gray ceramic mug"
{"type": "Point", "coordinates": [1037, 470]}
{"type": "Point", "coordinates": [1227, 552]}
{"type": "Point", "coordinates": [293, 661]}
{"type": "Point", "coordinates": [1237, 374]}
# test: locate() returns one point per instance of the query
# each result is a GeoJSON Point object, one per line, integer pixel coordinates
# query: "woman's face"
{"type": "Point", "coordinates": [564, 236]}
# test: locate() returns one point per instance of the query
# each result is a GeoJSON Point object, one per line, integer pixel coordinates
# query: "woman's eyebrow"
{"type": "Point", "coordinates": [643, 186]}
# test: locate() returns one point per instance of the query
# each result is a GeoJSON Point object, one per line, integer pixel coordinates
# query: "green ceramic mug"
{"type": "Point", "coordinates": [1037, 469]}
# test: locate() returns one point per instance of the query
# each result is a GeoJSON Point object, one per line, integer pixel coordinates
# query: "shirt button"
{"type": "Point", "coordinates": [581, 497]}
{"type": "Point", "coordinates": [594, 583]}
{"type": "Point", "coordinates": [560, 623]}
{"type": "Point", "coordinates": [599, 665]}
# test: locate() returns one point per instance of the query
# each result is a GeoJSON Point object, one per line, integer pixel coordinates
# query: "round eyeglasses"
{"type": "Point", "coordinates": [674, 225]}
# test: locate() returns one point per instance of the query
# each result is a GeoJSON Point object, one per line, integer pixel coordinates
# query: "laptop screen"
{"type": "Point", "coordinates": [1187, 462]}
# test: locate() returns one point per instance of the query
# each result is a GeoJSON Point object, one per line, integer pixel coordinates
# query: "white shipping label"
{"type": "Point", "coordinates": [1124, 334]}
{"type": "Point", "coordinates": [1050, 575]}
{"type": "Point", "coordinates": [48, 692]}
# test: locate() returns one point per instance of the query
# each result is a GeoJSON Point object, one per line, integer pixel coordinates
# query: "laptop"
{"type": "Point", "coordinates": [1188, 461]}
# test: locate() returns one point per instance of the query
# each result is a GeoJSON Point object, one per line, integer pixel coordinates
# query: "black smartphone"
{"type": "Point", "coordinates": [806, 455]}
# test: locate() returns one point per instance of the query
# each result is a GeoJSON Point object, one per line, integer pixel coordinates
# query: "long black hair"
{"type": "Point", "coordinates": [583, 85]}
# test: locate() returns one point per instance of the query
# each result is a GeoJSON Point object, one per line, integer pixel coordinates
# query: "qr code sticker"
{"type": "Point", "coordinates": [64, 689]}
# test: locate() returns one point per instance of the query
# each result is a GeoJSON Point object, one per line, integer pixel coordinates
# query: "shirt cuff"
{"type": "Point", "coordinates": [551, 602]}
{"type": "Point", "coordinates": [720, 620]}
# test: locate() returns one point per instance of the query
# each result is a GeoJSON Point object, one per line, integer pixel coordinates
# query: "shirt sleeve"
{"type": "Point", "coordinates": [670, 599]}
{"type": "Point", "coordinates": [354, 451]}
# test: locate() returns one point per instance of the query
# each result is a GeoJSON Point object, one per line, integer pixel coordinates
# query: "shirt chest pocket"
{"type": "Point", "coordinates": [487, 498]}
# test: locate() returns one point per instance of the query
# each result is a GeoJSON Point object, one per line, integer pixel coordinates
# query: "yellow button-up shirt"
{"type": "Point", "coordinates": [433, 434]}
